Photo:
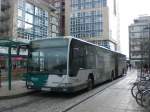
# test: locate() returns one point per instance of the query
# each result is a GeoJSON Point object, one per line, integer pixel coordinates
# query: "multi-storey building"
{"type": "Point", "coordinates": [139, 37]}
{"type": "Point", "coordinates": [28, 19]}
{"type": "Point", "coordinates": [23, 20]}
{"type": "Point", "coordinates": [93, 20]}
{"type": "Point", "coordinates": [60, 7]}
{"type": "Point", "coordinates": [5, 16]}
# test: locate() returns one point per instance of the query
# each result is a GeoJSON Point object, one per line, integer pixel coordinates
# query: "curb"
{"type": "Point", "coordinates": [17, 95]}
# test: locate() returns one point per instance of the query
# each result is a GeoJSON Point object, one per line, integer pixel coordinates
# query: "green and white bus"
{"type": "Point", "coordinates": [69, 64]}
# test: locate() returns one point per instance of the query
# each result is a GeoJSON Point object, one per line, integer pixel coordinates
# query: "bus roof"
{"type": "Point", "coordinates": [71, 38]}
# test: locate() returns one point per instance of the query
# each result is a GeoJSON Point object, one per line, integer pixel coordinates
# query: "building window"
{"type": "Point", "coordinates": [21, 4]}
{"type": "Point", "coordinates": [20, 24]}
{"type": "Point", "coordinates": [29, 8]}
{"type": "Point", "coordinates": [32, 21]}
{"type": "Point", "coordinates": [29, 18]}
{"type": "Point", "coordinates": [86, 24]}
{"type": "Point", "coordinates": [87, 4]}
{"type": "Point", "coordinates": [28, 28]}
{"type": "Point", "coordinates": [57, 4]}
{"type": "Point", "coordinates": [20, 14]}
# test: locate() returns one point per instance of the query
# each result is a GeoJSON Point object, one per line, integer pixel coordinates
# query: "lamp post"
{"type": "Point", "coordinates": [0, 7]}
{"type": "Point", "coordinates": [0, 25]}
{"type": "Point", "coordinates": [141, 45]}
{"type": "Point", "coordinates": [9, 68]}
{"type": "Point", "coordinates": [148, 46]}
{"type": "Point", "coordinates": [0, 11]}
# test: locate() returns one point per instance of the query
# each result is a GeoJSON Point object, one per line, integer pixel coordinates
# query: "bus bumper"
{"type": "Point", "coordinates": [61, 89]}
{"type": "Point", "coordinates": [58, 89]}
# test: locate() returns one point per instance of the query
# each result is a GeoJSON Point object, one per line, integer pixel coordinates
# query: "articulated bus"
{"type": "Point", "coordinates": [69, 64]}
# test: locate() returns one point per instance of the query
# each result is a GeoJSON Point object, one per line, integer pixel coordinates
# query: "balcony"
{"type": "Point", "coordinates": [5, 27]}
{"type": "Point", "coordinates": [5, 4]}
{"type": "Point", "coordinates": [52, 8]}
{"type": "Point", "coordinates": [4, 16]}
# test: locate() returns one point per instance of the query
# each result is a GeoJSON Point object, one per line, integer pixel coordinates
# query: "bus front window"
{"type": "Point", "coordinates": [51, 60]}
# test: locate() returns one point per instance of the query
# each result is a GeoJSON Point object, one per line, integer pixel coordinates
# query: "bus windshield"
{"type": "Point", "coordinates": [51, 60]}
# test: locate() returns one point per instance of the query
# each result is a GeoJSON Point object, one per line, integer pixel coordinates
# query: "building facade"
{"type": "Point", "coordinates": [5, 17]}
{"type": "Point", "coordinates": [93, 20]}
{"type": "Point", "coordinates": [24, 20]}
{"type": "Point", "coordinates": [139, 37]}
{"type": "Point", "coordinates": [60, 7]}
{"type": "Point", "coordinates": [28, 19]}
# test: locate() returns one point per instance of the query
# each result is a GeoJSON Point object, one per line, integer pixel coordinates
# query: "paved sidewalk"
{"type": "Point", "coordinates": [116, 98]}
{"type": "Point", "coordinates": [18, 90]}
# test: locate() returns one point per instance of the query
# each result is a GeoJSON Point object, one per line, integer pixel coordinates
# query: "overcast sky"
{"type": "Point", "coordinates": [129, 10]}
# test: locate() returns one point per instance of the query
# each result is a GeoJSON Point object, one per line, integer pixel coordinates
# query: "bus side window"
{"type": "Point", "coordinates": [90, 57]}
{"type": "Point", "coordinates": [77, 59]}
{"type": "Point", "coordinates": [79, 56]}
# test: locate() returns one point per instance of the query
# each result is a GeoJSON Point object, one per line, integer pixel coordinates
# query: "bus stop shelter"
{"type": "Point", "coordinates": [12, 44]}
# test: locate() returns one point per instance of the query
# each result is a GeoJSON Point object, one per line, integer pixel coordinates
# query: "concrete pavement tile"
{"type": "Point", "coordinates": [122, 106]}
{"type": "Point", "coordinates": [119, 110]}
{"type": "Point", "coordinates": [104, 110]}
{"type": "Point", "coordinates": [81, 110]}
{"type": "Point", "coordinates": [18, 89]}
{"type": "Point", "coordinates": [131, 110]}
{"type": "Point", "coordinates": [116, 98]}
{"type": "Point", "coordinates": [133, 106]}
{"type": "Point", "coordinates": [143, 110]}
{"type": "Point", "coordinates": [92, 110]}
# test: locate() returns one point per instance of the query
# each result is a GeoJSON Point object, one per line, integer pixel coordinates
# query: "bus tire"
{"type": "Point", "coordinates": [112, 75]}
{"type": "Point", "coordinates": [27, 86]}
{"type": "Point", "coordinates": [90, 83]}
{"type": "Point", "coordinates": [123, 72]}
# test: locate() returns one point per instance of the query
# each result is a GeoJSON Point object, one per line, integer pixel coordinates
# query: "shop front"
{"type": "Point", "coordinates": [13, 59]}
{"type": "Point", "coordinates": [19, 66]}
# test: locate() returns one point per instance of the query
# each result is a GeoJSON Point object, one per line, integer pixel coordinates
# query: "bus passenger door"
{"type": "Point", "coordinates": [99, 67]}
{"type": "Point", "coordinates": [116, 65]}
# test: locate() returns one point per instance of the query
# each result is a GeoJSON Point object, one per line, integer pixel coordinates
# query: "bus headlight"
{"type": "Point", "coordinates": [30, 83]}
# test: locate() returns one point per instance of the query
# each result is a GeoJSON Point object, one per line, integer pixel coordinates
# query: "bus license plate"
{"type": "Point", "coordinates": [46, 89]}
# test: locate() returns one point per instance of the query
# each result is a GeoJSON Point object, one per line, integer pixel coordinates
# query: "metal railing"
{"type": "Point", "coordinates": [141, 90]}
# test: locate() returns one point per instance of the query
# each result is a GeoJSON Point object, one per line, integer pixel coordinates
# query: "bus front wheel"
{"type": "Point", "coordinates": [27, 86]}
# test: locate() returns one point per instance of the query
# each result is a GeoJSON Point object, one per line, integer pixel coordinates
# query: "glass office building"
{"type": "Point", "coordinates": [60, 6]}
{"type": "Point", "coordinates": [32, 21]}
{"type": "Point", "coordinates": [29, 19]}
{"type": "Point", "coordinates": [139, 36]}
{"type": "Point", "coordinates": [24, 20]}
{"type": "Point", "coordinates": [87, 4]}
{"type": "Point", "coordinates": [93, 20]}
{"type": "Point", "coordinates": [86, 24]}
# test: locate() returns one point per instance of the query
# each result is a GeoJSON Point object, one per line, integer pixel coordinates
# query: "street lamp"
{"type": "Point", "coordinates": [141, 45]}
{"type": "Point", "coordinates": [0, 7]}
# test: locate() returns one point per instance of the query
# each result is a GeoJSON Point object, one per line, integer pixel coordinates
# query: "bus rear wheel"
{"type": "Point", "coordinates": [123, 71]}
{"type": "Point", "coordinates": [112, 76]}
{"type": "Point", "coordinates": [90, 84]}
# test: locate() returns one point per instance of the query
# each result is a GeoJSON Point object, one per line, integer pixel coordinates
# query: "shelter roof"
{"type": "Point", "coordinates": [11, 43]}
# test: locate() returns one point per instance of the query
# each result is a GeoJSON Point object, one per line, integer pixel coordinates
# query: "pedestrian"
{"type": "Point", "coordinates": [145, 68]}
{"type": "Point", "coordinates": [130, 66]}
{"type": "Point", "coordinates": [0, 76]}
{"type": "Point", "coordinates": [127, 65]}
